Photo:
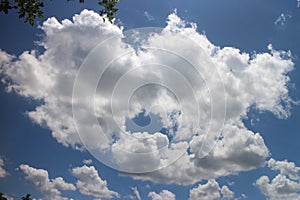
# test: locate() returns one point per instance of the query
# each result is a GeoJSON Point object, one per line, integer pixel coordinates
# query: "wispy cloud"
{"type": "Point", "coordinates": [136, 192]}
{"type": "Point", "coordinates": [298, 3]}
{"type": "Point", "coordinates": [149, 16]}
{"type": "Point", "coordinates": [282, 19]}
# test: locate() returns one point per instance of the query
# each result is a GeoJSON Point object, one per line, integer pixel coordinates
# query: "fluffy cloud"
{"type": "Point", "coordinates": [51, 189]}
{"type": "Point", "coordinates": [163, 195]}
{"type": "Point", "coordinates": [286, 184]}
{"type": "Point", "coordinates": [89, 183]}
{"type": "Point", "coordinates": [49, 76]}
{"type": "Point", "coordinates": [87, 162]}
{"type": "Point", "coordinates": [279, 188]}
{"type": "Point", "coordinates": [3, 172]}
{"type": "Point", "coordinates": [226, 192]}
{"type": "Point", "coordinates": [239, 150]}
{"type": "Point", "coordinates": [286, 168]}
{"type": "Point", "coordinates": [135, 150]}
{"type": "Point", "coordinates": [211, 191]}
{"type": "Point", "coordinates": [198, 92]}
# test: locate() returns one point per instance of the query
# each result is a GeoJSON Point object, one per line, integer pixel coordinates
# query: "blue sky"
{"type": "Point", "coordinates": [34, 143]}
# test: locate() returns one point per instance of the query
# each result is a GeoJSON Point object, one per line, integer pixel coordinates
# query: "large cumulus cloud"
{"type": "Point", "coordinates": [198, 92]}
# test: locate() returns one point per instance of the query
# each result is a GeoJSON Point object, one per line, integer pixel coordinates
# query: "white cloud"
{"type": "Point", "coordinates": [139, 146]}
{"type": "Point", "coordinates": [243, 196]}
{"type": "Point", "coordinates": [298, 3]}
{"type": "Point", "coordinates": [8, 197]}
{"type": "Point", "coordinates": [89, 183]}
{"type": "Point", "coordinates": [50, 76]}
{"type": "Point", "coordinates": [208, 92]}
{"type": "Point", "coordinates": [163, 195]}
{"type": "Point", "coordinates": [211, 191]}
{"type": "Point", "coordinates": [148, 16]}
{"type": "Point", "coordinates": [282, 19]}
{"type": "Point", "coordinates": [286, 168]}
{"type": "Point", "coordinates": [137, 193]}
{"type": "Point", "coordinates": [226, 192]}
{"type": "Point", "coordinates": [239, 150]}
{"type": "Point", "coordinates": [3, 172]}
{"type": "Point", "coordinates": [286, 184]}
{"type": "Point", "coordinates": [51, 189]}
{"type": "Point", "coordinates": [279, 188]}
{"type": "Point", "coordinates": [87, 162]}
{"type": "Point", "coordinates": [4, 58]}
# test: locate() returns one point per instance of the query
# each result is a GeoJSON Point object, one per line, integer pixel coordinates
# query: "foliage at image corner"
{"type": "Point", "coordinates": [31, 9]}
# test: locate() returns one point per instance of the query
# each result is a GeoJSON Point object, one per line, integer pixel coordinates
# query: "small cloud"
{"type": "Point", "coordinates": [136, 192]}
{"type": "Point", "coordinates": [211, 190]}
{"type": "Point", "coordinates": [91, 184]}
{"type": "Point", "coordinates": [298, 3]}
{"type": "Point", "coordinates": [163, 195]}
{"type": "Point", "coordinates": [285, 185]}
{"type": "Point", "coordinates": [50, 188]}
{"type": "Point", "coordinates": [149, 17]}
{"type": "Point", "coordinates": [87, 162]}
{"type": "Point", "coordinates": [243, 196]}
{"type": "Point", "coordinates": [231, 183]}
{"type": "Point", "coordinates": [282, 19]}
{"type": "Point", "coordinates": [3, 172]}
{"type": "Point", "coordinates": [8, 197]}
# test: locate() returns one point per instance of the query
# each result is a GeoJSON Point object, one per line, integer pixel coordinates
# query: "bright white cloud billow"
{"type": "Point", "coordinates": [198, 92]}
{"type": "Point", "coordinates": [285, 185]}
{"type": "Point", "coordinates": [51, 189]}
{"type": "Point", "coordinates": [163, 195]}
{"type": "Point", "coordinates": [50, 76]}
{"type": "Point", "coordinates": [286, 168]}
{"type": "Point", "coordinates": [211, 191]}
{"type": "Point", "coordinates": [90, 183]}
